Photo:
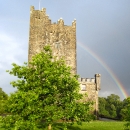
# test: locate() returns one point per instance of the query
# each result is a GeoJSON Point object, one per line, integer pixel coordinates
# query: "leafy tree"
{"type": "Point", "coordinates": [102, 107]}
{"type": "Point", "coordinates": [125, 112]}
{"type": "Point", "coordinates": [113, 102]}
{"type": "Point", "coordinates": [113, 99]}
{"type": "Point", "coordinates": [113, 111]}
{"type": "Point", "coordinates": [46, 92]}
{"type": "Point", "coordinates": [110, 107]}
{"type": "Point", "coordinates": [3, 99]}
{"type": "Point", "coordinates": [3, 95]}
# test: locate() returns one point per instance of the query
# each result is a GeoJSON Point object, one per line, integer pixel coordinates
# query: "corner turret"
{"type": "Point", "coordinates": [97, 81]}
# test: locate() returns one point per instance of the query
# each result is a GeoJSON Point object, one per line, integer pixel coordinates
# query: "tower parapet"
{"type": "Point", "coordinates": [86, 80]}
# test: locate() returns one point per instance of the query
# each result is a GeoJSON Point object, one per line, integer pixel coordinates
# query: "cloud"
{"type": "Point", "coordinates": [11, 51]}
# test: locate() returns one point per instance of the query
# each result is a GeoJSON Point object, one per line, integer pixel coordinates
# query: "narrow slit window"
{"type": "Point", "coordinates": [57, 45]}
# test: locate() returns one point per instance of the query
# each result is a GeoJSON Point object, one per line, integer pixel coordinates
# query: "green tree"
{"type": "Point", "coordinates": [46, 92]}
{"type": "Point", "coordinates": [125, 112]}
{"type": "Point", "coordinates": [113, 99]}
{"type": "Point", "coordinates": [110, 107]}
{"type": "Point", "coordinates": [3, 95]}
{"type": "Point", "coordinates": [102, 107]}
{"type": "Point", "coordinates": [113, 105]}
{"type": "Point", "coordinates": [3, 99]}
{"type": "Point", "coordinates": [113, 111]}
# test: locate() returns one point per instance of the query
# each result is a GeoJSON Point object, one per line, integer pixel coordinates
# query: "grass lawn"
{"type": "Point", "coordinates": [97, 125]}
{"type": "Point", "coordinates": [100, 125]}
{"type": "Point", "coordinates": [93, 125]}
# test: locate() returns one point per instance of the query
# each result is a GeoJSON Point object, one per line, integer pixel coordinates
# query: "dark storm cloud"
{"type": "Point", "coordinates": [106, 30]}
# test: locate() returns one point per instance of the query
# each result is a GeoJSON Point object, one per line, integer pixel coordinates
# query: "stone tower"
{"type": "Point", "coordinates": [92, 87]}
{"type": "Point", "coordinates": [60, 37]}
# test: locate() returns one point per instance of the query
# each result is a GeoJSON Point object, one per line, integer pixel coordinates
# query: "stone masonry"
{"type": "Point", "coordinates": [62, 39]}
{"type": "Point", "coordinates": [92, 87]}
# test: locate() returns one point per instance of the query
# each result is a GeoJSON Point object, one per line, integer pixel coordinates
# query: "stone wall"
{"type": "Point", "coordinates": [60, 37]}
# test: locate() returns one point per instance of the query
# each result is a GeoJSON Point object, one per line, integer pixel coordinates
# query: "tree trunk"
{"type": "Point", "coordinates": [49, 127]}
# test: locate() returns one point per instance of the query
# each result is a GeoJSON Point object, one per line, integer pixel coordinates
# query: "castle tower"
{"type": "Point", "coordinates": [91, 87]}
{"type": "Point", "coordinates": [62, 40]}
{"type": "Point", "coordinates": [60, 37]}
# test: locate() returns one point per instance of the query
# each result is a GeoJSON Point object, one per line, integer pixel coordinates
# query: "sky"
{"type": "Point", "coordinates": [102, 38]}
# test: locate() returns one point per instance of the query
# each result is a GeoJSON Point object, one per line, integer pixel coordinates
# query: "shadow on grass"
{"type": "Point", "coordinates": [75, 128]}
{"type": "Point", "coordinates": [59, 126]}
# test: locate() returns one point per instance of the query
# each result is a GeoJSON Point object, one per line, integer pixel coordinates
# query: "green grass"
{"type": "Point", "coordinates": [97, 125]}
{"type": "Point", "coordinates": [93, 125]}
{"type": "Point", "coordinates": [100, 125]}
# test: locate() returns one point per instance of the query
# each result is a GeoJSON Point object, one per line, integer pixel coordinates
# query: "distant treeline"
{"type": "Point", "coordinates": [112, 107]}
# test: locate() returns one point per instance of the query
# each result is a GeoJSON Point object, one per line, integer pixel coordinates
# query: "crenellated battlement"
{"type": "Point", "coordinates": [39, 14]}
{"type": "Point", "coordinates": [91, 81]}
{"type": "Point", "coordinates": [88, 80]}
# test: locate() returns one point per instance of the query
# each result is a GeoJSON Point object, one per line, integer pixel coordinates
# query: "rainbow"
{"type": "Point", "coordinates": [98, 59]}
